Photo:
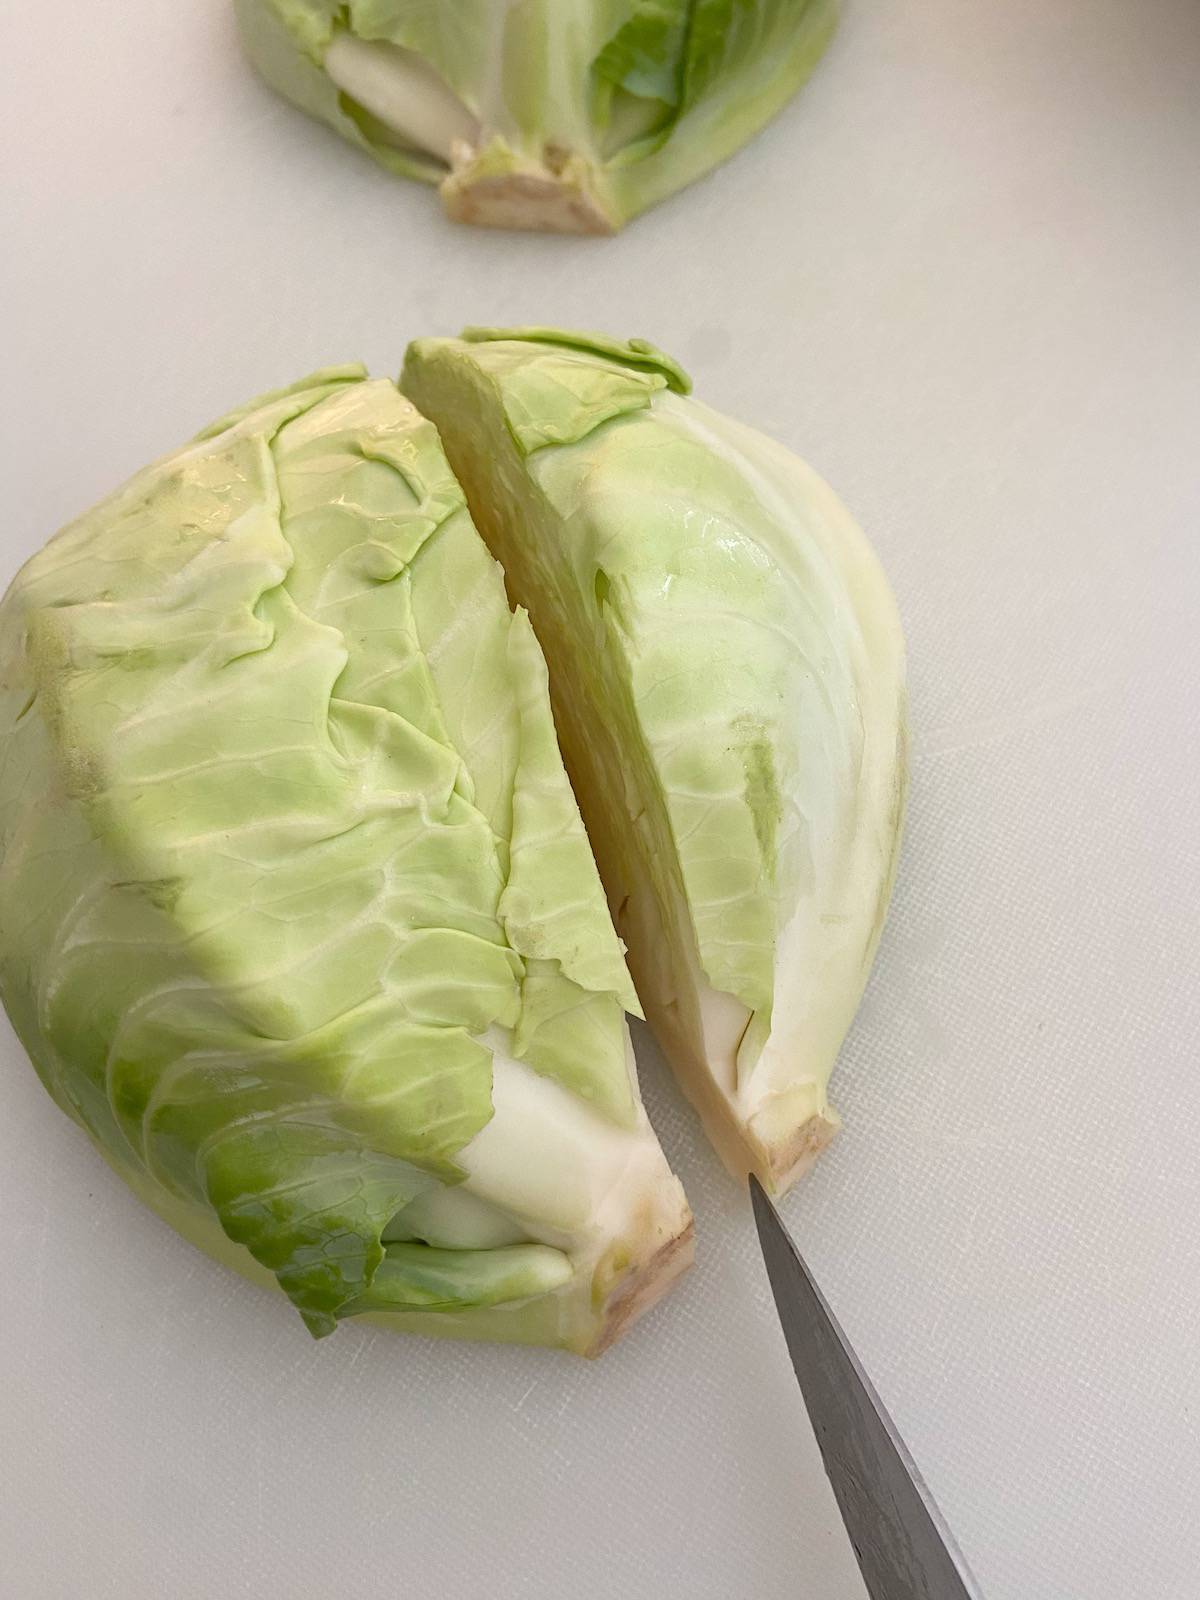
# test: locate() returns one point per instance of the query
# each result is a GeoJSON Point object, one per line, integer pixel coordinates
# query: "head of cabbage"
{"type": "Point", "coordinates": [564, 115]}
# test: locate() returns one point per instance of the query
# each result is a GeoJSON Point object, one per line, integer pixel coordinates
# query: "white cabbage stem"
{"type": "Point", "coordinates": [404, 92]}
{"type": "Point", "coordinates": [569, 1175]}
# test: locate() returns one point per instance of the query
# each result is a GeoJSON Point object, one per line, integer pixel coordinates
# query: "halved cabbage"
{"type": "Point", "coordinates": [569, 115]}
{"type": "Point", "coordinates": [297, 915]}
{"type": "Point", "coordinates": [727, 672]}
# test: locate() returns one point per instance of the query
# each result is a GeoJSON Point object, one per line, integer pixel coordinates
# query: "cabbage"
{"type": "Point", "coordinates": [297, 915]}
{"type": "Point", "coordinates": [570, 115]}
{"type": "Point", "coordinates": [728, 679]}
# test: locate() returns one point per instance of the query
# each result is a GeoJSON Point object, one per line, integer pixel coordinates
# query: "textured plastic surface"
{"type": "Point", "coordinates": [959, 274]}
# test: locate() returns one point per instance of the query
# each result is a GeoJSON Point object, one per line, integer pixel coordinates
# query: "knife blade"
{"type": "Point", "coordinates": [904, 1549]}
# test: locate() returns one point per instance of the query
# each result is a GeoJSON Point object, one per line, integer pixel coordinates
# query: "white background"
{"type": "Point", "coordinates": [961, 274]}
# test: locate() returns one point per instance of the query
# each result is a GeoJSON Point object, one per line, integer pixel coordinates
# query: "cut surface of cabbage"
{"type": "Point", "coordinates": [562, 115]}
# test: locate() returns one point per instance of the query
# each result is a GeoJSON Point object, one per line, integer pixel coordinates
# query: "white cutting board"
{"type": "Point", "coordinates": [962, 275]}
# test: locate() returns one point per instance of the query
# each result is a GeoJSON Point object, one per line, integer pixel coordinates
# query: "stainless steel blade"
{"type": "Point", "coordinates": [905, 1550]}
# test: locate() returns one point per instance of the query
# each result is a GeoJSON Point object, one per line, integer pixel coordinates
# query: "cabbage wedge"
{"type": "Point", "coordinates": [727, 672]}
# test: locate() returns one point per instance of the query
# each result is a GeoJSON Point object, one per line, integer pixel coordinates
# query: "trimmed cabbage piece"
{"type": "Point", "coordinates": [298, 918]}
{"type": "Point", "coordinates": [564, 115]}
{"type": "Point", "coordinates": [727, 671]}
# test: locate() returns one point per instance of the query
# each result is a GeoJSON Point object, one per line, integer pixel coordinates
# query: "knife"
{"type": "Point", "coordinates": [905, 1550]}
